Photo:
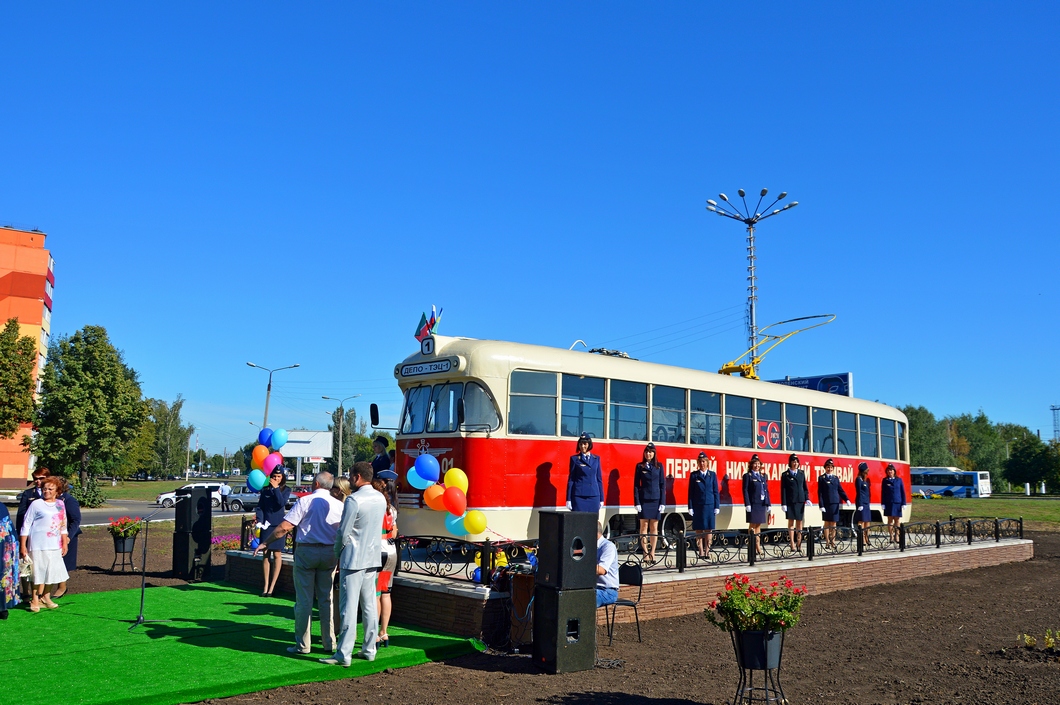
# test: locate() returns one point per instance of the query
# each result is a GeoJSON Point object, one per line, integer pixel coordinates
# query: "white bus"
{"type": "Point", "coordinates": [950, 482]}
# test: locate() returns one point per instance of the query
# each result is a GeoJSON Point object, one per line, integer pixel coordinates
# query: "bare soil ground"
{"type": "Point", "coordinates": [947, 639]}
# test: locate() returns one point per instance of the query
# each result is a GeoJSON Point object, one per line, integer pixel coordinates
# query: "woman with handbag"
{"type": "Point", "coordinates": [44, 539]}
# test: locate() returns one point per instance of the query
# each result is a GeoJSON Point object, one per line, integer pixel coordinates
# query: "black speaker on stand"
{"type": "Point", "coordinates": [565, 593]}
{"type": "Point", "coordinates": [192, 533]}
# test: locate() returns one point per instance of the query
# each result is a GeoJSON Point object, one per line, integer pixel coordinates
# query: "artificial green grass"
{"type": "Point", "coordinates": [219, 640]}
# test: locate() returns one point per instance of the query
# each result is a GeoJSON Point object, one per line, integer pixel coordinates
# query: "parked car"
{"type": "Point", "coordinates": [298, 491]}
{"type": "Point", "coordinates": [168, 499]}
{"type": "Point", "coordinates": [243, 499]}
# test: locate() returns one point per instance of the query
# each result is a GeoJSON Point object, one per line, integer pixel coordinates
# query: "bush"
{"type": "Point", "coordinates": [89, 496]}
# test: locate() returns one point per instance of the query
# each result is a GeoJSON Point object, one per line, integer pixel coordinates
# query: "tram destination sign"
{"type": "Point", "coordinates": [426, 368]}
{"type": "Point", "coordinates": [841, 383]}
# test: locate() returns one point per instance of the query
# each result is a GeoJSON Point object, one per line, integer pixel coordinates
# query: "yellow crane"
{"type": "Point", "coordinates": [749, 369]}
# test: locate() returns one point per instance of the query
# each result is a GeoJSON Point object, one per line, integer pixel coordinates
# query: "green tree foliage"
{"type": "Point", "coordinates": [984, 448]}
{"type": "Point", "coordinates": [929, 439]}
{"type": "Point", "coordinates": [18, 355]}
{"type": "Point", "coordinates": [1034, 462]}
{"type": "Point", "coordinates": [91, 406]}
{"type": "Point", "coordinates": [171, 437]}
{"type": "Point", "coordinates": [356, 441]}
{"type": "Point", "coordinates": [139, 457]}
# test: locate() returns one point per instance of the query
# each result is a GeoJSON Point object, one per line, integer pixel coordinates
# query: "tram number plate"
{"type": "Point", "coordinates": [425, 368]}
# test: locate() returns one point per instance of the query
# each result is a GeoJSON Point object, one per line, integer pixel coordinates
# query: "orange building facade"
{"type": "Point", "coordinates": [26, 282]}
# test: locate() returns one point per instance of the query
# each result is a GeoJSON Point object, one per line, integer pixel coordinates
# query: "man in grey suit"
{"type": "Point", "coordinates": [359, 549]}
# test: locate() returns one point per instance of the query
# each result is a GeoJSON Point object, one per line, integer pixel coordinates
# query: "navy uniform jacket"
{"type": "Point", "coordinates": [703, 493]}
{"type": "Point", "coordinates": [380, 463]}
{"type": "Point", "coordinates": [892, 491]}
{"type": "Point", "coordinates": [793, 488]}
{"type": "Point", "coordinates": [755, 490]}
{"type": "Point", "coordinates": [830, 490]}
{"type": "Point", "coordinates": [861, 492]}
{"type": "Point", "coordinates": [23, 504]}
{"type": "Point", "coordinates": [649, 484]}
{"type": "Point", "coordinates": [585, 479]}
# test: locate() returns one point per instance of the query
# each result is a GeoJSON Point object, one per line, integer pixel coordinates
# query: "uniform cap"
{"type": "Point", "coordinates": [863, 467]}
{"type": "Point", "coordinates": [586, 437]}
{"type": "Point", "coordinates": [829, 463]}
{"type": "Point", "coordinates": [702, 455]}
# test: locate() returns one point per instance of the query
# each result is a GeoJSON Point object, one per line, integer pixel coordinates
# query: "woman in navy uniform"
{"type": "Point", "coordinates": [863, 513]}
{"type": "Point", "coordinates": [794, 496]}
{"type": "Point", "coordinates": [649, 493]}
{"type": "Point", "coordinates": [272, 506]}
{"type": "Point", "coordinates": [756, 498]}
{"type": "Point", "coordinates": [830, 495]}
{"type": "Point", "coordinates": [585, 481]}
{"type": "Point", "coordinates": [704, 503]}
{"type": "Point", "coordinates": [892, 495]}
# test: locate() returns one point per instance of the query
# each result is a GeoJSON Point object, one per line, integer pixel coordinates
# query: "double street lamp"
{"type": "Point", "coordinates": [749, 218]}
{"type": "Point", "coordinates": [342, 418]}
{"type": "Point", "coordinates": [268, 390]}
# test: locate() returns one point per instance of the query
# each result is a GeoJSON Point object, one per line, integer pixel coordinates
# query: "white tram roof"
{"type": "Point", "coordinates": [495, 359]}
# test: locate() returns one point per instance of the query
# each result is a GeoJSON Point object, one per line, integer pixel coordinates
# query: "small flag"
{"type": "Point", "coordinates": [422, 330]}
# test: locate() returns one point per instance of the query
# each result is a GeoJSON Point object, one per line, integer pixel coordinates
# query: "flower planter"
{"type": "Point", "coordinates": [124, 544]}
{"type": "Point", "coordinates": [758, 650]}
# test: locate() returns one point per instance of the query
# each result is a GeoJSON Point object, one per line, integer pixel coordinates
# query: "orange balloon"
{"type": "Point", "coordinates": [258, 455]}
{"type": "Point", "coordinates": [432, 496]}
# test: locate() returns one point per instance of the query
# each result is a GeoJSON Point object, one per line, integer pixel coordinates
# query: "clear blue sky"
{"type": "Point", "coordinates": [265, 182]}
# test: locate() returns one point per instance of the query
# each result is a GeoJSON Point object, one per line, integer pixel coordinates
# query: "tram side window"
{"type": "Point", "coordinates": [797, 437]}
{"type": "Point", "coordinates": [705, 419]}
{"type": "Point", "coordinates": [629, 410]}
{"type": "Point", "coordinates": [668, 414]}
{"type": "Point", "coordinates": [823, 430]}
{"type": "Point", "coordinates": [533, 403]}
{"type": "Point", "coordinates": [901, 441]}
{"type": "Point", "coordinates": [768, 435]}
{"type": "Point", "coordinates": [867, 429]}
{"type": "Point", "coordinates": [582, 410]}
{"type": "Point", "coordinates": [479, 409]}
{"type": "Point", "coordinates": [846, 433]}
{"type": "Point", "coordinates": [441, 418]}
{"type": "Point", "coordinates": [739, 428]}
{"type": "Point", "coordinates": [415, 414]}
{"type": "Point", "coordinates": [888, 439]}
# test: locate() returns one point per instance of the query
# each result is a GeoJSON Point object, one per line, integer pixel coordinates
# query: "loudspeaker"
{"type": "Point", "coordinates": [566, 554]}
{"type": "Point", "coordinates": [564, 630]}
{"type": "Point", "coordinates": [191, 555]}
{"type": "Point", "coordinates": [194, 506]}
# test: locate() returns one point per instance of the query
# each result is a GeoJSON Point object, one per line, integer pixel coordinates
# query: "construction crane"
{"type": "Point", "coordinates": [749, 369]}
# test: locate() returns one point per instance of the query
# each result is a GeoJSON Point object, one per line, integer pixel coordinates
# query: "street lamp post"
{"type": "Point", "coordinates": [342, 419]}
{"type": "Point", "coordinates": [268, 390]}
{"type": "Point", "coordinates": [746, 217]}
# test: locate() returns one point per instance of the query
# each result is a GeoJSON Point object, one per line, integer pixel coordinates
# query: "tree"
{"type": "Point", "coordinates": [1033, 461]}
{"type": "Point", "coordinates": [91, 406]}
{"type": "Point", "coordinates": [18, 355]}
{"type": "Point", "coordinates": [139, 457]}
{"type": "Point", "coordinates": [985, 447]}
{"type": "Point", "coordinates": [349, 441]}
{"type": "Point", "coordinates": [171, 436]}
{"type": "Point", "coordinates": [928, 439]}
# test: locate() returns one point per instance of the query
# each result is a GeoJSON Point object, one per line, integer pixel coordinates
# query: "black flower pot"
{"type": "Point", "coordinates": [759, 650]}
{"type": "Point", "coordinates": [124, 544]}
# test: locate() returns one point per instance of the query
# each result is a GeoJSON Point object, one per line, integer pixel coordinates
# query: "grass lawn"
{"type": "Point", "coordinates": [1038, 514]}
{"type": "Point", "coordinates": [144, 490]}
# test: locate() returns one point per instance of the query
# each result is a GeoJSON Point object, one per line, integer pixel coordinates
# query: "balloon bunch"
{"type": "Point", "coordinates": [262, 460]}
{"type": "Point", "coordinates": [448, 494]}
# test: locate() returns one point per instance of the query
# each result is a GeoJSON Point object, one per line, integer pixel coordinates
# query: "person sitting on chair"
{"type": "Point", "coordinates": [606, 569]}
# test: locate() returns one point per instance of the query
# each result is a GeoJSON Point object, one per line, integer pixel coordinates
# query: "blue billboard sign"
{"type": "Point", "coordinates": [841, 383]}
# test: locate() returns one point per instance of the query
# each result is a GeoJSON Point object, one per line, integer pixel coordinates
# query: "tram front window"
{"type": "Point", "coordinates": [415, 412]}
{"type": "Point", "coordinates": [441, 418]}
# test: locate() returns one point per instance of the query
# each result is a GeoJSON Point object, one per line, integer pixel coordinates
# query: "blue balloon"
{"type": "Point", "coordinates": [278, 439]}
{"type": "Point", "coordinates": [427, 467]}
{"type": "Point", "coordinates": [477, 575]}
{"type": "Point", "coordinates": [256, 480]}
{"type": "Point", "coordinates": [455, 524]}
{"type": "Point", "coordinates": [265, 437]}
{"type": "Point", "coordinates": [416, 481]}
{"type": "Point", "coordinates": [254, 543]}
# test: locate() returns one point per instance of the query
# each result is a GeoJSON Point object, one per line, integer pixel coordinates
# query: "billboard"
{"type": "Point", "coordinates": [841, 383]}
{"type": "Point", "coordinates": [308, 444]}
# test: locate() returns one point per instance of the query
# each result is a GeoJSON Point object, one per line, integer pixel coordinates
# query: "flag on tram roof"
{"type": "Point", "coordinates": [422, 331]}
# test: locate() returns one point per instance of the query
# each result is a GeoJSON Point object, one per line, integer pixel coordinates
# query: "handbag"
{"type": "Point", "coordinates": [25, 567]}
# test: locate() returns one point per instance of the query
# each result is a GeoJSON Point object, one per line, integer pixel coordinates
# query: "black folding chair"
{"type": "Point", "coordinates": [628, 574]}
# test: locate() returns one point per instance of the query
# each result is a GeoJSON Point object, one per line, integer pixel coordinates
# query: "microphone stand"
{"type": "Point", "coordinates": [143, 571]}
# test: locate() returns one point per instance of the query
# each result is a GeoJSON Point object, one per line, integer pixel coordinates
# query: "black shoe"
{"type": "Point", "coordinates": [3, 615]}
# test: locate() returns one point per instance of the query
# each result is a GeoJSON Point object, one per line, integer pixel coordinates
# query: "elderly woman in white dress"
{"type": "Point", "coordinates": [44, 540]}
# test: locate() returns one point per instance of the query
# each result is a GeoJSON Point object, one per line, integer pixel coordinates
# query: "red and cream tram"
{"type": "Point", "coordinates": [523, 407]}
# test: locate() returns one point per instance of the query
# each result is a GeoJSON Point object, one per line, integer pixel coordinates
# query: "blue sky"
{"type": "Point", "coordinates": [265, 182]}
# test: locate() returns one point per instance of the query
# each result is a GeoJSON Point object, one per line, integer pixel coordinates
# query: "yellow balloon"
{"type": "Point", "coordinates": [455, 477]}
{"type": "Point", "coordinates": [474, 521]}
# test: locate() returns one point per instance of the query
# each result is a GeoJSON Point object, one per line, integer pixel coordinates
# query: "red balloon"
{"type": "Point", "coordinates": [455, 501]}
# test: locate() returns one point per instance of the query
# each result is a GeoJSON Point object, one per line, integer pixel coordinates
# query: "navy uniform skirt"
{"type": "Point", "coordinates": [703, 519]}
{"type": "Point", "coordinates": [892, 509]}
{"type": "Point", "coordinates": [795, 511]}
{"type": "Point", "coordinates": [649, 511]}
{"type": "Point", "coordinates": [758, 515]}
{"type": "Point", "coordinates": [829, 512]}
{"type": "Point", "coordinates": [864, 515]}
{"type": "Point", "coordinates": [587, 504]}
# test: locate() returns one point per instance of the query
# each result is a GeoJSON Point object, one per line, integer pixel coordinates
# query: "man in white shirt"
{"type": "Point", "coordinates": [316, 517]}
{"type": "Point", "coordinates": [359, 550]}
{"type": "Point", "coordinates": [606, 569]}
{"type": "Point", "coordinates": [226, 491]}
